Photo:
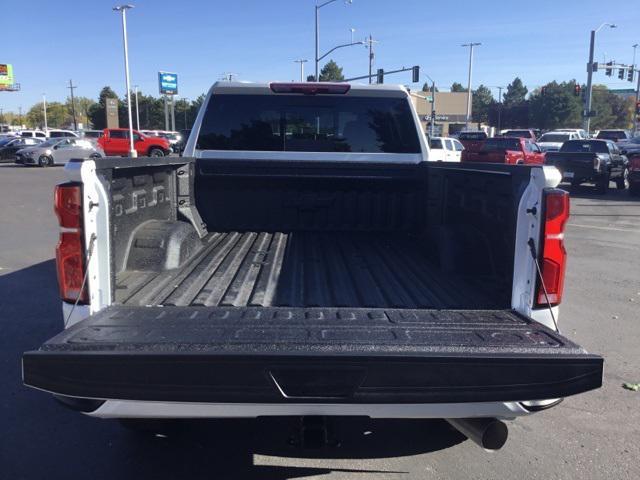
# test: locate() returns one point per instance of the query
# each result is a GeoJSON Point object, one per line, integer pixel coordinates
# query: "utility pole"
{"type": "Point", "coordinates": [73, 104]}
{"type": "Point", "coordinates": [589, 96]}
{"type": "Point", "coordinates": [135, 87]}
{"type": "Point", "coordinates": [302, 61]}
{"type": "Point", "coordinates": [369, 44]}
{"type": "Point", "coordinates": [471, 46]}
{"type": "Point", "coordinates": [44, 107]}
{"type": "Point", "coordinates": [20, 115]}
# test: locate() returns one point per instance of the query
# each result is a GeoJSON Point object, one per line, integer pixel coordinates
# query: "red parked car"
{"type": "Point", "coordinates": [115, 142]}
{"type": "Point", "coordinates": [512, 151]}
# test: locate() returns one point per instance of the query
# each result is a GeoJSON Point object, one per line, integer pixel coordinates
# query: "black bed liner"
{"type": "Point", "coordinates": [279, 354]}
{"type": "Point", "coordinates": [305, 269]}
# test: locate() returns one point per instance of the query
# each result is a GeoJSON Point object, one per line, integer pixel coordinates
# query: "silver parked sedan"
{"type": "Point", "coordinates": [58, 151]}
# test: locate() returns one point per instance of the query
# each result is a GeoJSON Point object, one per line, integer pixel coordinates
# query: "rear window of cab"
{"type": "Point", "coordinates": [303, 123]}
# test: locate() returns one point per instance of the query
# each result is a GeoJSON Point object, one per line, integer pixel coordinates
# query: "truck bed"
{"type": "Point", "coordinates": [306, 269]}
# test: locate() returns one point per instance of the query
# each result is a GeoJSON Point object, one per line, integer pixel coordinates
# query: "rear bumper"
{"type": "Point", "coordinates": [136, 409]}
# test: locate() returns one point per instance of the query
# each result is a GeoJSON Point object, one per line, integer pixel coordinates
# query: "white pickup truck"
{"type": "Point", "coordinates": [305, 259]}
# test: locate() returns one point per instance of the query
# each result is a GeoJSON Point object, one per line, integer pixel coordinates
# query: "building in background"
{"type": "Point", "coordinates": [451, 111]}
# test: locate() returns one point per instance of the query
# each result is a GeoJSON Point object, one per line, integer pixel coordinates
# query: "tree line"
{"type": "Point", "coordinates": [554, 105]}
{"type": "Point", "coordinates": [91, 113]}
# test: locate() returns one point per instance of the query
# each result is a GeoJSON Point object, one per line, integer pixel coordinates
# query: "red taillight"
{"type": "Point", "coordinates": [311, 88]}
{"type": "Point", "coordinates": [67, 201]}
{"type": "Point", "coordinates": [70, 260]}
{"type": "Point", "coordinates": [553, 254]}
{"type": "Point", "coordinates": [634, 163]}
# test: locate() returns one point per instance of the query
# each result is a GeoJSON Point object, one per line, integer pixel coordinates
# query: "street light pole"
{"type": "Point", "coordinates": [135, 87]}
{"type": "Point", "coordinates": [317, 57]}
{"type": "Point", "coordinates": [471, 46]}
{"type": "Point", "coordinates": [302, 61]}
{"type": "Point", "coordinates": [589, 97]}
{"type": "Point", "coordinates": [44, 107]}
{"type": "Point", "coordinates": [123, 9]}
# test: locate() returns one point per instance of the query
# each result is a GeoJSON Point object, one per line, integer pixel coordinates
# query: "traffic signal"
{"type": "Point", "coordinates": [637, 108]}
{"type": "Point", "coordinates": [577, 89]}
{"type": "Point", "coordinates": [380, 75]}
{"type": "Point", "coordinates": [609, 71]}
{"type": "Point", "coordinates": [415, 72]}
{"type": "Point", "coordinates": [543, 91]}
{"type": "Point", "coordinates": [621, 74]}
{"type": "Point", "coordinates": [630, 74]}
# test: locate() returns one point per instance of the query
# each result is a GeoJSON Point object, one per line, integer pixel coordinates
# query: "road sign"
{"type": "Point", "coordinates": [168, 83]}
{"type": "Point", "coordinates": [7, 82]}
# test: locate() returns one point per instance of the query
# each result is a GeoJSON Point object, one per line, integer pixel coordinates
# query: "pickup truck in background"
{"type": "Point", "coordinates": [597, 161]}
{"type": "Point", "coordinates": [304, 258]}
{"type": "Point", "coordinates": [524, 133]}
{"type": "Point", "coordinates": [443, 149]}
{"type": "Point", "coordinates": [510, 151]}
{"type": "Point", "coordinates": [115, 142]}
{"type": "Point", "coordinates": [472, 141]}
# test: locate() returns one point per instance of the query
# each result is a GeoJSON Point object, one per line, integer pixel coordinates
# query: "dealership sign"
{"type": "Point", "coordinates": [168, 83]}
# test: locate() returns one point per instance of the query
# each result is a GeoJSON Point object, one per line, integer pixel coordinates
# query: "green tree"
{"type": "Point", "coordinates": [516, 93]}
{"type": "Point", "coordinates": [331, 72]}
{"type": "Point", "coordinates": [427, 87]}
{"type": "Point", "coordinates": [83, 106]}
{"type": "Point", "coordinates": [612, 111]}
{"type": "Point", "coordinates": [482, 102]}
{"type": "Point", "coordinates": [557, 108]}
{"type": "Point", "coordinates": [57, 115]}
{"type": "Point", "coordinates": [457, 87]}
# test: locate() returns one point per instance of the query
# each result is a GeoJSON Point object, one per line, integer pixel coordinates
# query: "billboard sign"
{"type": "Point", "coordinates": [168, 83]}
{"type": "Point", "coordinates": [6, 75]}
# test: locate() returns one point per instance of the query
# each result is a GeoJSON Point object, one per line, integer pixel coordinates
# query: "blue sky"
{"type": "Point", "coordinates": [50, 42]}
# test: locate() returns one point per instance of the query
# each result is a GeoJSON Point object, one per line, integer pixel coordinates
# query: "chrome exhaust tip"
{"type": "Point", "coordinates": [489, 433]}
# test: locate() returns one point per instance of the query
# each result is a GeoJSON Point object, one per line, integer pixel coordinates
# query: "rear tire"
{"type": "Point", "coordinates": [622, 183]}
{"type": "Point", "coordinates": [602, 185]}
{"type": "Point", "coordinates": [156, 152]}
{"type": "Point", "coordinates": [634, 189]}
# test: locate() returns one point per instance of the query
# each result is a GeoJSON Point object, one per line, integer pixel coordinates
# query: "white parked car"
{"type": "Point", "coordinates": [32, 134]}
{"type": "Point", "coordinates": [58, 133]}
{"type": "Point", "coordinates": [552, 141]}
{"type": "Point", "coordinates": [58, 151]}
{"type": "Point", "coordinates": [444, 149]}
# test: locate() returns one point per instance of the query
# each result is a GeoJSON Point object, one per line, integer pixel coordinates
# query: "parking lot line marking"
{"type": "Point", "coordinates": [604, 228]}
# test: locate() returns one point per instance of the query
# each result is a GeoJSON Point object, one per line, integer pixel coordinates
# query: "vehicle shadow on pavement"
{"type": "Point", "coordinates": [586, 192]}
{"type": "Point", "coordinates": [42, 439]}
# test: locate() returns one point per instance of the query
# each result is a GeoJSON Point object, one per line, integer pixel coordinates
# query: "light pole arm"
{"type": "Point", "coordinates": [318, 7]}
{"type": "Point", "coordinates": [340, 46]}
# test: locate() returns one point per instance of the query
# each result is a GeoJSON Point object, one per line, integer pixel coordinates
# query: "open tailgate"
{"type": "Point", "coordinates": [248, 355]}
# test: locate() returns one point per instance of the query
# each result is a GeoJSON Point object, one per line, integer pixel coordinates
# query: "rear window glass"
{"type": "Point", "coordinates": [581, 146]}
{"type": "Point", "coordinates": [436, 144]}
{"type": "Point", "coordinates": [493, 144]}
{"type": "Point", "coordinates": [472, 136]}
{"type": "Point", "coordinates": [612, 135]}
{"type": "Point", "coordinates": [554, 138]}
{"type": "Point", "coordinates": [308, 124]}
{"type": "Point", "coordinates": [518, 133]}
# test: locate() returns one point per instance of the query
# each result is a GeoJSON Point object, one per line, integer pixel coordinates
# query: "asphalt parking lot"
{"type": "Point", "coordinates": [595, 435]}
